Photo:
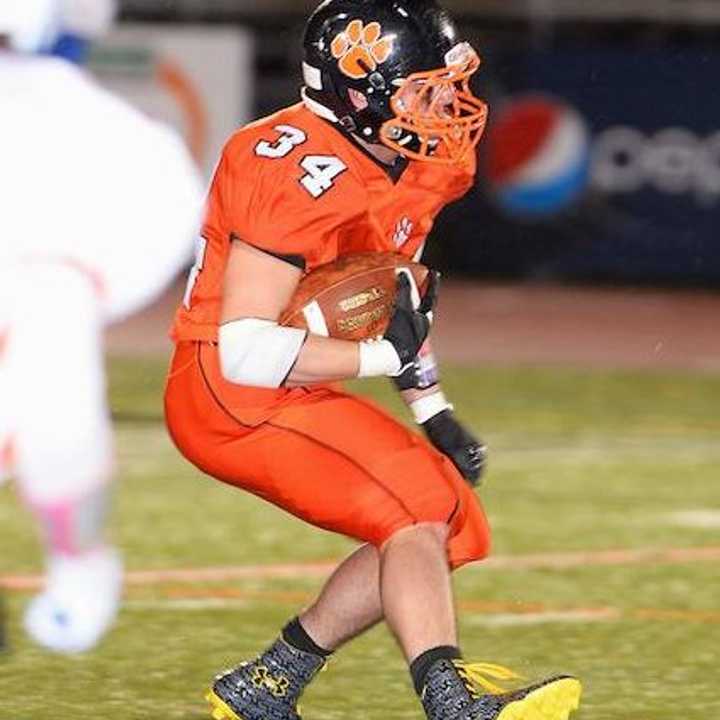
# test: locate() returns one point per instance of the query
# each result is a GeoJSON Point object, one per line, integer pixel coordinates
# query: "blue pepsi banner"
{"type": "Point", "coordinates": [600, 162]}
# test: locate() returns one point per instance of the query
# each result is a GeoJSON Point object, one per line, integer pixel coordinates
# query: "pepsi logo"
{"type": "Point", "coordinates": [537, 155]}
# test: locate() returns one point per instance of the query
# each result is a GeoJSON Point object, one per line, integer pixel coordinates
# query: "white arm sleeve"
{"type": "Point", "coordinates": [257, 352]}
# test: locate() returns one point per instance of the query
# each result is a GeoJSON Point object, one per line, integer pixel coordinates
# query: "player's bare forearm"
{"type": "Point", "coordinates": [257, 287]}
{"type": "Point", "coordinates": [256, 350]}
{"type": "Point", "coordinates": [325, 360]}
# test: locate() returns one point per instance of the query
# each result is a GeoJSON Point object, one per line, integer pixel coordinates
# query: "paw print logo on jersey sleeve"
{"type": "Point", "coordinates": [360, 48]}
{"type": "Point", "coordinates": [403, 231]}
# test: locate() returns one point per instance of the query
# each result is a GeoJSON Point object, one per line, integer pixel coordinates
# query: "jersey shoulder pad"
{"type": "Point", "coordinates": [282, 145]}
{"type": "Point", "coordinates": [289, 157]}
{"type": "Point", "coordinates": [282, 186]}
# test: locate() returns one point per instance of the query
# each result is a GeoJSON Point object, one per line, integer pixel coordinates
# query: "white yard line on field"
{"type": "Point", "coordinates": [185, 605]}
{"type": "Point", "coordinates": [510, 450]}
{"type": "Point", "coordinates": [702, 519]}
{"type": "Point", "coordinates": [631, 556]}
{"type": "Point", "coordinates": [493, 619]}
{"type": "Point", "coordinates": [486, 614]}
{"type": "Point", "coordinates": [542, 617]}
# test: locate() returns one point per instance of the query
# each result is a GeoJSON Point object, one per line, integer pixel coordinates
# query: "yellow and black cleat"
{"type": "Point", "coordinates": [553, 700]}
{"type": "Point", "coordinates": [267, 688]}
{"type": "Point", "coordinates": [220, 710]}
{"type": "Point", "coordinates": [456, 690]}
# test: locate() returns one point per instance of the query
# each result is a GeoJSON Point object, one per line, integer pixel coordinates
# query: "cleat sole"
{"type": "Point", "coordinates": [219, 709]}
{"type": "Point", "coordinates": [554, 701]}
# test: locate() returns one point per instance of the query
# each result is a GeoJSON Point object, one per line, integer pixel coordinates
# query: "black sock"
{"type": "Point", "coordinates": [421, 664]}
{"type": "Point", "coordinates": [295, 634]}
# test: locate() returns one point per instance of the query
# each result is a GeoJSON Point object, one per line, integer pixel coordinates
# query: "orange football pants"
{"type": "Point", "coordinates": [330, 458]}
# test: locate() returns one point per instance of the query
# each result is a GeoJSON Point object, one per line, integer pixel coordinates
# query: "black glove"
{"type": "Point", "coordinates": [468, 454]}
{"type": "Point", "coordinates": [409, 327]}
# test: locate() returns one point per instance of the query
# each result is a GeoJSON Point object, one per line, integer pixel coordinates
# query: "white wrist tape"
{"type": "Point", "coordinates": [256, 352]}
{"type": "Point", "coordinates": [378, 357]}
{"type": "Point", "coordinates": [429, 406]}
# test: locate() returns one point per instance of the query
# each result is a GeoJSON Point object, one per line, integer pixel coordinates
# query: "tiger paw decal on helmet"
{"type": "Point", "coordinates": [395, 74]}
{"type": "Point", "coordinates": [360, 49]}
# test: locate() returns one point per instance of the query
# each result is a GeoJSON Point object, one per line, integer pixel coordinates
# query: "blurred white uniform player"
{"type": "Point", "coordinates": [98, 207]}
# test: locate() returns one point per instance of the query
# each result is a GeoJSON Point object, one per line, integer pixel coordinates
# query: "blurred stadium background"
{"type": "Point", "coordinates": [615, 174]}
{"type": "Point", "coordinates": [580, 327]}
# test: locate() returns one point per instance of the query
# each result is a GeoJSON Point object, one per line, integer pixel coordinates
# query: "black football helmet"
{"type": "Point", "coordinates": [394, 72]}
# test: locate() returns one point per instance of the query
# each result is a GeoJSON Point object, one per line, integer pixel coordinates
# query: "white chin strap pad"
{"type": "Point", "coordinates": [259, 353]}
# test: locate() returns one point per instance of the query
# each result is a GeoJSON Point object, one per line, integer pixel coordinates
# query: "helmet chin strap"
{"type": "Point", "coordinates": [314, 82]}
{"type": "Point", "coordinates": [321, 111]}
{"type": "Point", "coordinates": [380, 151]}
{"type": "Point", "coordinates": [347, 123]}
{"type": "Point", "coordinates": [412, 140]}
{"type": "Point", "coordinates": [318, 108]}
{"type": "Point", "coordinates": [350, 126]}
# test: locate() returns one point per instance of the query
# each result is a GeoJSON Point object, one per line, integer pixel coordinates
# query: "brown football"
{"type": "Point", "coordinates": [352, 298]}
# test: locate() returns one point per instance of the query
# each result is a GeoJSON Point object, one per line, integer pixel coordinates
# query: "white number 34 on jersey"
{"type": "Point", "coordinates": [321, 170]}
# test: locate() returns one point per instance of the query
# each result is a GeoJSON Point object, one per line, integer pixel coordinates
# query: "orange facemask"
{"type": "Point", "coordinates": [439, 108]}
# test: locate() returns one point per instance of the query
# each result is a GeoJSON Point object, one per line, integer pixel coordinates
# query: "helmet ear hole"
{"type": "Point", "coordinates": [357, 99]}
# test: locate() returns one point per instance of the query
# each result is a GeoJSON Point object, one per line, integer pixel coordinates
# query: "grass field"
{"type": "Point", "coordinates": [582, 463]}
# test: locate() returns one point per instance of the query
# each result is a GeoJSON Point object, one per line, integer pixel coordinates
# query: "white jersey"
{"type": "Point", "coordinates": [85, 179]}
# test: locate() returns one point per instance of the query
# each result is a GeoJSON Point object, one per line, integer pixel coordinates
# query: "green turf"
{"type": "Point", "coordinates": [581, 461]}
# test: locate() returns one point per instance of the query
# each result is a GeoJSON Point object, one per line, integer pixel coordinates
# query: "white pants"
{"type": "Point", "coordinates": [53, 408]}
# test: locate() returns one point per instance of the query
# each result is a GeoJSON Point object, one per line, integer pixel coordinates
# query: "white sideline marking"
{"type": "Point", "coordinates": [541, 618]}
{"type": "Point", "coordinates": [632, 556]}
{"type": "Point", "coordinates": [478, 619]}
{"type": "Point", "coordinates": [193, 604]}
{"type": "Point", "coordinates": [706, 519]}
{"type": "Point", "coordinates": [605, 451]}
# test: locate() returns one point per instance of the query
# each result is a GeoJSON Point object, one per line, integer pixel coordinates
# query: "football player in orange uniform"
{"type": "Point", "coordinates": [383, 139]}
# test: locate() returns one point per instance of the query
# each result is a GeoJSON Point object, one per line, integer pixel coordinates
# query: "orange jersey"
{"type": "Point", "coordinates": [294, 186]}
